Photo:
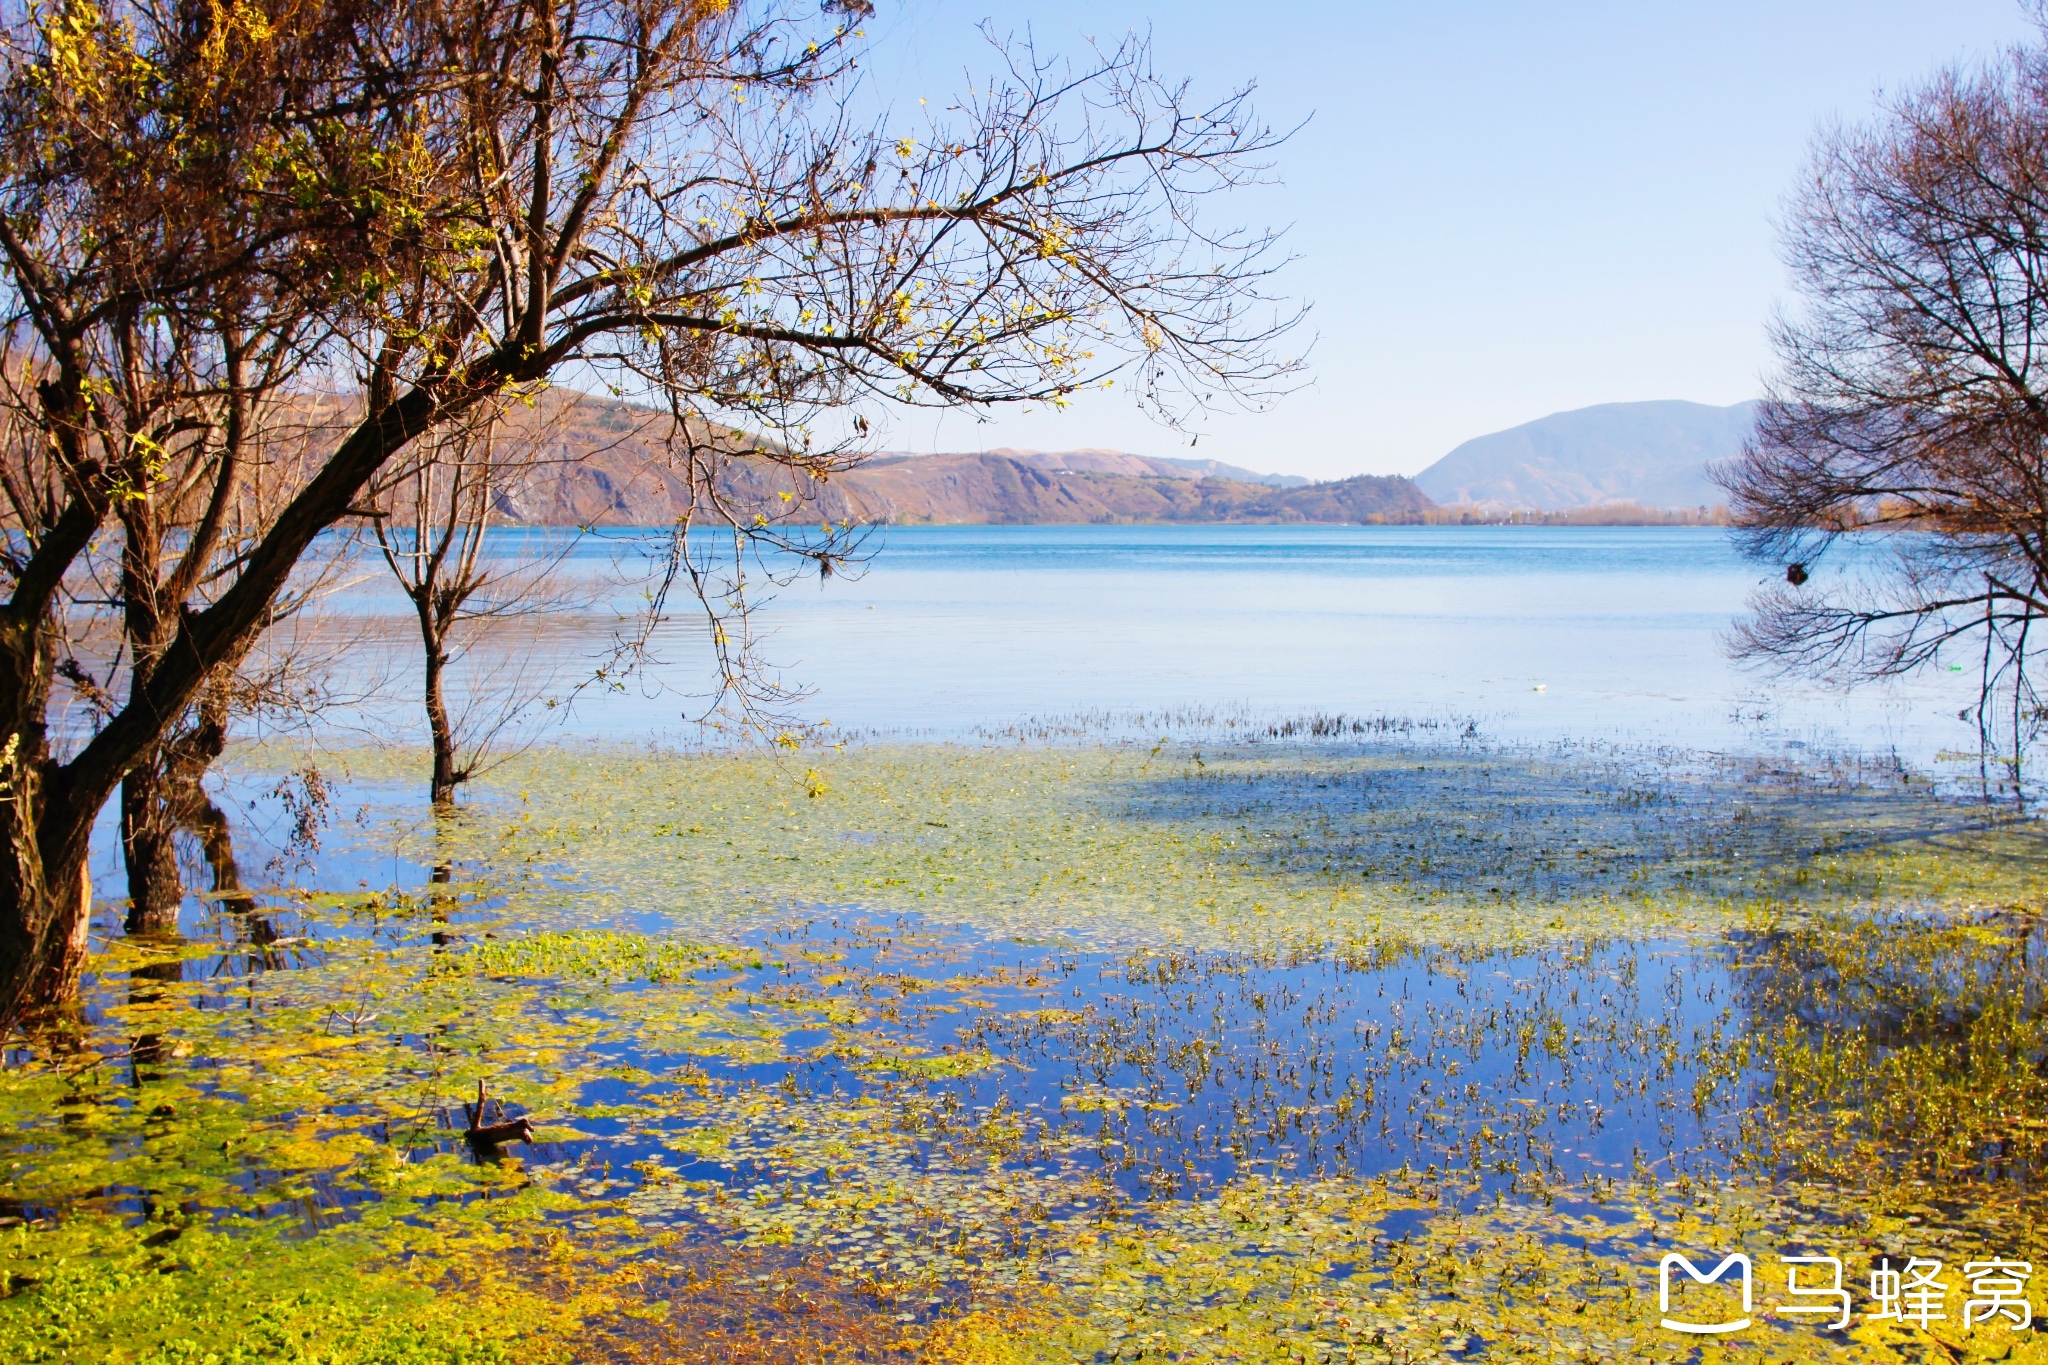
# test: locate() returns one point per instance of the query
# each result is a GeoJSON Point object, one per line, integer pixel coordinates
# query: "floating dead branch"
{"type": "Point", "coordinates": [483, 1136]}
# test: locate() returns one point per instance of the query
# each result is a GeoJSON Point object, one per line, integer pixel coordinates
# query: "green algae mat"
{"type": "Point", "coordinates": [1090, 1053]}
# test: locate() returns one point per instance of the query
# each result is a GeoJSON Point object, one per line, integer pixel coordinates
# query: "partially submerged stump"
{"type": "Point", "coordinates": [488, 1137]}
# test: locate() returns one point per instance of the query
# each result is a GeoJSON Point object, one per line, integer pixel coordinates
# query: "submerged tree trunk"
{"type": "Point", "coordinates": [172, 800]}
{"type": "Point", "coordinates": [26, 665]}
{"type": "Point", "coordinates": [43, 839]}
{"type": "Point", "coordinates": [446, 776]}
{"type": "Point", "coordinates": [155, 889]}
{"type": "Point", "coordinates": [433, 614]}
{"type": "Point", "coordinates": [43, 944]}
{"type": "Point", "coordinates": [217, 842]}
{"type": "Point", "coordinates": [185, 806]}
{"type": "Point", "coordinates": [161, 797]}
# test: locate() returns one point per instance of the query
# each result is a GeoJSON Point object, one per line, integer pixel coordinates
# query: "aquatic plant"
{"type": "Point", "coordinates": [1060, 1054]}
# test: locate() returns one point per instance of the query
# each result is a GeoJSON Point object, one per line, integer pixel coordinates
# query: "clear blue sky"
{"type": "Point", "coordinates": [1501, 210]}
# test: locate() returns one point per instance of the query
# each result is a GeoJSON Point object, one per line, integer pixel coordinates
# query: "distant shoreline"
{"type": "Point", "coordinates": [1619, 515]}
{"type": "Point", "coordinates": [1553, 520]}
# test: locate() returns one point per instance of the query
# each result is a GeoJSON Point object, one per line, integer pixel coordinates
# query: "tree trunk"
{"type": "Point", "coordinates": [43, 944]}
{"type": "Point", "coordinates": [186, 805]}
{"type": "Point", "coordinates": [155, 889]}
{"type": "Point", "coordinates": [163, 795]}
{"type": "Point", "coordinates": [21, 867]}
{"type": "Point", "coordinates": [64, 946]}
{"type": "Point", "coordinates": [43, 841]}
{"type": "Point", "coordinates": [446, 777]}
{"type": "Point", "coordinates": [217, 842]}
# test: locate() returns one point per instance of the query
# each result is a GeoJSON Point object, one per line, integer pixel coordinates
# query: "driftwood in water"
{"type": "Point", "coordinates": [518, 1130]}
{"type": "Point", "coordinates": [493, 1135]}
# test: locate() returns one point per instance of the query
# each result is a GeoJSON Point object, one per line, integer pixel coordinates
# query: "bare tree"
{"type": "Point", "coordinates": [1905, 439]}
{"type": "Point", "coordinates": [433, 526]}
{"type": "Point", "coordinates": [751, 520]}
{"type": "Point", "coordinates": [664, 195]}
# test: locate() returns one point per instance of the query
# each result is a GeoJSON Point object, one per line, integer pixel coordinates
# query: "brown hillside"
{"type": "Point", "coordinates": [602, 462]}
{"type": "Point", "coordinates": [1004, 490]}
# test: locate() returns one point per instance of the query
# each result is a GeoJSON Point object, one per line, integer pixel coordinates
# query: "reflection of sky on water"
{"type": "Point", "coordinates": [1183, 1071]}
{"type": "Point", "coordinates": [1165, 1073]}
{"type": "Point", "coordinates": [1539, 633]}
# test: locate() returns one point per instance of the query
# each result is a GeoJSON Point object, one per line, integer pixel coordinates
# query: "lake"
{"type": "Point", "coordinates": [1213, 1028]}
{"type": "Point", "coordinates": [1536, 633]}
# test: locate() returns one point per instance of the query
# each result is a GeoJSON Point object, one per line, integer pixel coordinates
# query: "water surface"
{"type": "Point", "coordinates": [1535, 632]}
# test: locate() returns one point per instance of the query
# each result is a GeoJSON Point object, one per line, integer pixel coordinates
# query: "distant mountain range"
{"type": "Point", "coordinates": [1003, 488]}
{"type": "Point", "coordinates": [600, 461]}
{"type": "Point", "coordinates": [1122, 462]}
{"type": "Point", "coordinates": [603, 462]}
{"type": "Point", "coordinates": [1652, 454]}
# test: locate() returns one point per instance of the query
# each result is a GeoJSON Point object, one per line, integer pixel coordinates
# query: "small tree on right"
{"type": "Point", "coordinates": [1904, 438]}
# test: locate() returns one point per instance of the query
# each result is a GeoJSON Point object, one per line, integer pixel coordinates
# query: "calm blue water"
{"type": "Point", "coordinates": [954, 631]}
{"type": "Point", "coordinates": [1537, 634]}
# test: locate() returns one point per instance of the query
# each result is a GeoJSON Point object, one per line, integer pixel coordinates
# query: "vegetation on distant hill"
{"type": "Point", "coordinates": [1601, 514]}
{"type": "Point", "coordinates": [1097, 461]}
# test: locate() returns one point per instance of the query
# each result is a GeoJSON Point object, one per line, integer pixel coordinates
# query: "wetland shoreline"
{"type": "Point", "coordinates": [1373, 1050]}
